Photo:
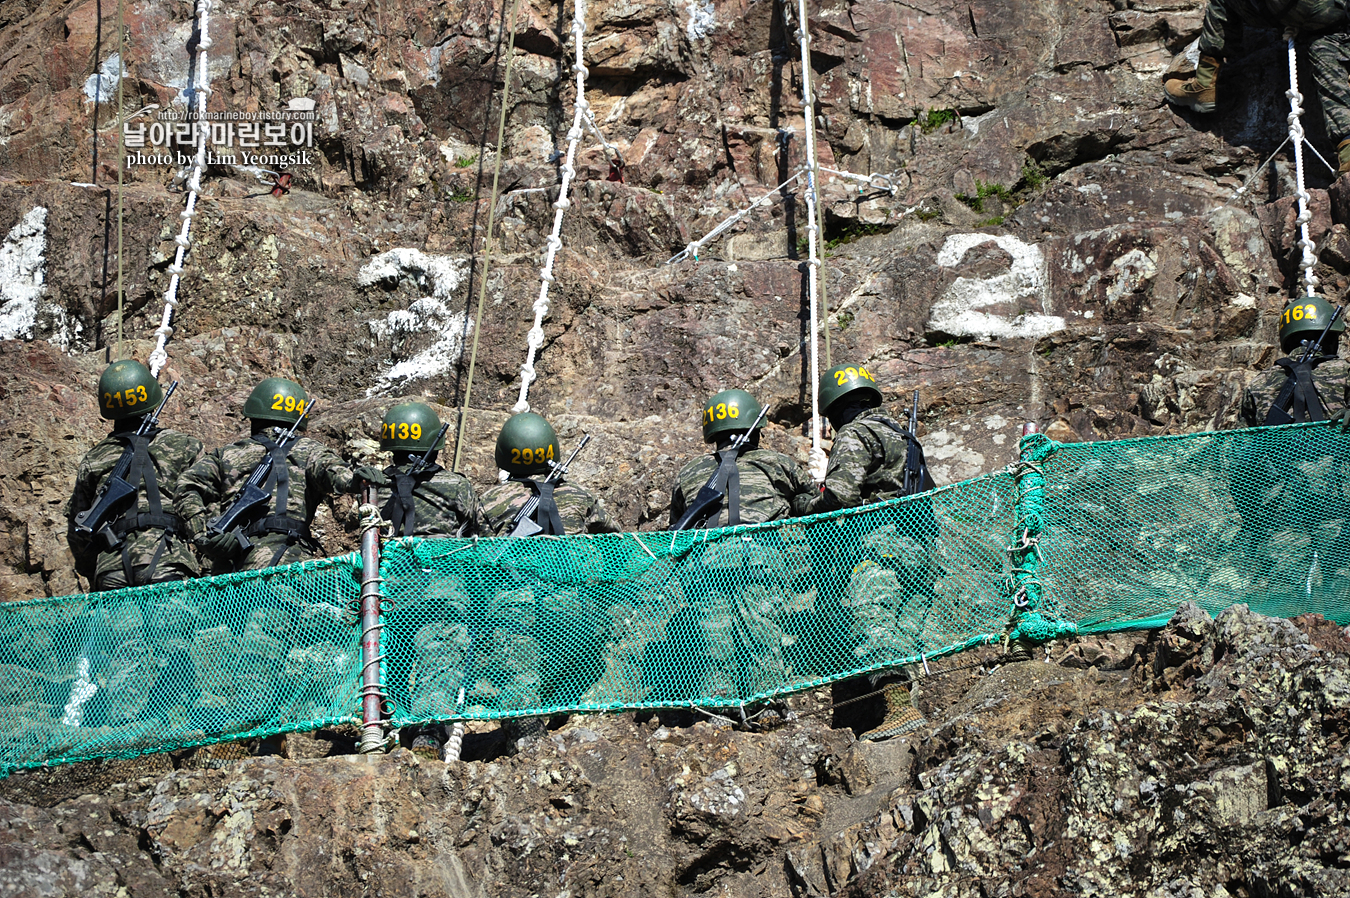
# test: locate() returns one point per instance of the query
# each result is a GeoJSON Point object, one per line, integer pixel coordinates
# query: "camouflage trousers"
{"type": "Point", "coordinates": [1327, 55]}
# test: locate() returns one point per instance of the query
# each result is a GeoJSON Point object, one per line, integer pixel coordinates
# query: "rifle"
{"type": "Point", "coordinates": [425, 460]}
{"type": "Point", "coordinates": [523, 524]}
{"type": "Point", "coordinates": [912, 457]}
{"type": "Point", "coordinates": [1279, 409]}
{"type": "Point", "coordinates": [116, 489]}
{"type": "Point", "coordinates": [714, 492]}
{"type": "Point", "coordinates": [253, 494]}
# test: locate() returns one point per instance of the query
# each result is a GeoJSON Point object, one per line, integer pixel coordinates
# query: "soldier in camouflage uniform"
{"type": "Point", "coordinates": [541, 645]}
{"type": "Point", "coordinates": [874, 458]}
{"type": "Point", "coordinates": [1293, 532]}
{"type": "Point", "coordinates": [576, 509]}
{"type": "Point", "coordinates": [429, 501]}
{"type": "Point", "coordinates": [1322, 26]}
{"type": "Point", "coordinates": [304, 473]}
{"type": "Point", "coordinates": [1300, 323]}
{"type": "Point", "coordinates": [733, 586]}
{"type": "Point", "coordinates": [143, 540]}
{"type": "Point", "coordinates": [433, 502]}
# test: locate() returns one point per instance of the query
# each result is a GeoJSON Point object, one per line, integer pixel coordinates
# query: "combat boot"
{"type": "Point", "coordinates": [1343, 156]}
{"type": "Point", "coordinates": [1198, 91]}
{"type": "Point", "coordinates": [901, 716]}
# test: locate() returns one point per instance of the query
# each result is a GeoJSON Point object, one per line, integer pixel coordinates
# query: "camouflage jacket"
{"type": "Point", "coordinates": [867, 464]}
{"type": "Point", "coordinates": [580, 510]}
{"type": "Point", "coordinates": [171, 453]}
{"type": "Point", "coordinates": [444, 503]}
{"type": "Point", "coordinates": [314, 473]}
{"type": "Point", "coordinates": [772, 487]}
{"type": "Point", "coordinates": [1224, 19]}
{"type": "Point", "coordinates": [1329, 378]}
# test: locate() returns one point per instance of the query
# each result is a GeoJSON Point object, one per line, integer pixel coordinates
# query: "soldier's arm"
{"type": "Point", "coordinates": [800, 489]}
{"type": "Point", "coordinates": [598, 519]}
{"type": "Point", "coordinates": [677, 504]}
{"type": "Point", "coordinates": [81, 498]}
{"type": "Point", "coordinates": [199, 488]}
{"type": "Point", "coordinates": [327, 472]}
{"type": "Point", "coordinates": [850, 460]}
{"type": "Point", "coordinates": [1250, 414]}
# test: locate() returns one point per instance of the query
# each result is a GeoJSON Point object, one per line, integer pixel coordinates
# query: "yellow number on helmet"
{"type": "Point", "coordinates": [300, 406]}
{"type": "Point", "coordinates": [733, 410]}
{"type": "Point", "coordinates": [862, 372]}
{"type": "Point", "coordinates": [515, 456]}
{"type": "Point", "coordinates": [1298, 313]}
{"type": "Point", "coordinates": [721, 411]}
{"type": "Point", "coordinates": [141, 394]}
{"type": "Point", "coordinates": [550, 452]}
{"type": "Point", "coordinates": [1310, 312]}
{"type": "Point", "coordinates": [289, 404]}
{"type": "Point", "coordinates": [417, 431]}
{"type": "Point", "coordinates": [840, 378]}
{"type": "Point", "coordinates": [527, 455]}
{"type": "Point", "coordinates": [277, 400]}
{"type": "Point", "coordinates": [107, 399]}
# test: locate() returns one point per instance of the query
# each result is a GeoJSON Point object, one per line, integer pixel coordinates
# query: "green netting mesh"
{"type": "Point", "coordinates": [118, 674]}
{"type": "Point", "coordinates": [1078, 538]}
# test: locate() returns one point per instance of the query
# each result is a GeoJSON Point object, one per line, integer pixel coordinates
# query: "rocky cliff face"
{"type": "Point", "coordinates": [1059, 246]}
{"type": "Point", "coordinates": [1207, 759]}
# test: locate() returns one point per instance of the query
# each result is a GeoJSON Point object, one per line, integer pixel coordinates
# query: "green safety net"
{"type": "Point", "coordinates": [1075, 538]}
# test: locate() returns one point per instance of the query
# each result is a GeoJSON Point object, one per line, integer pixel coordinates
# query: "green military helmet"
{"type": "Point", "coordinates": [730, 411]}
{"type": "Point", "coordinates": [845, 380]}
{"type": "Point", "coordinates": [411, 427]}
{"type": "Point", "coordinates": [127, 388]}
{"type": "Point", "coordinates": [1304, 319]}
{"type": "Point", "coordinates": [526, 445]}
{"type": "Point", "coordinates": [278, 400]}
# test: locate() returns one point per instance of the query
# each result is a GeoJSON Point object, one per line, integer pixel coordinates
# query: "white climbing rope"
{"type": "Point", "coordinates": [692, 250]}
{"type": "Point", "coordinates": [201, 92]}
{"type": "Point", "coordinates": [812, 229]}
{"type": "Point", "coordinates": [535, 339]}
{"type": "Point", "coordinates": [1309, 261]}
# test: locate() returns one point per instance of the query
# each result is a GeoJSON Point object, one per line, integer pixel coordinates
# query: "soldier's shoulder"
{"type": "Point", "coordinates": [575, 493]}
{"type": "Point", "coordinates": [448, 479]}
{"type": "Point", "coordinates": [699, 463]}
{"type": "Point", "coordinates": [771, 457]}
{"type": "Point", "coordinates": [176, 439]}
{"type": "Point", "coordinates": [502, 492]}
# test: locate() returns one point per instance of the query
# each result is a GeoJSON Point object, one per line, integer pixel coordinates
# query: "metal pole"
{"type": "Point", "coordinates": [372, 698]}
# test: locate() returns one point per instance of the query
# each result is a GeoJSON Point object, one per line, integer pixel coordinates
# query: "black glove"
{"type": "Point", "coordinates": [1341, 419]}
{"type": "Point", "coordinates": [218, 545]}
{"type": "Point", "coordinates": [372, 475]}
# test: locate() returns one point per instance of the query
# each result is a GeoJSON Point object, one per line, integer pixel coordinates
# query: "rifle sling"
{"type": "Point", "coordinates": [1306, 404]}
{"type": "Point", "coordinates": [924, 480]}
{"type": "Point", "coordinates": [546, 515]}
{"type": "Point", "coordinates": [400, 509]}
{"type": "Point", "coordinates": [730, 475]}
{"type": "Point", "coordinates": [141, 475]}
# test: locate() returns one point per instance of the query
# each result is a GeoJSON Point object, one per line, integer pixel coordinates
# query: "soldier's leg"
{"type": "Point", "coordinates": [1329, 58]}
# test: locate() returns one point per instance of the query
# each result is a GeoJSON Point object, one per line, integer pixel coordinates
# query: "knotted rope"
{"type": "Point", "coordinates": [535, 339]}
{"type": "Point", "coordinates": [1309, 261]}
{"type": "Point", "coordinates": [201, 92]}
